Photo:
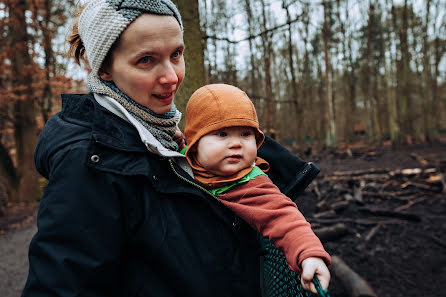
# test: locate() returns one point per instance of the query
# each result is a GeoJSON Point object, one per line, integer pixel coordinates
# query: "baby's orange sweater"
{"type": "Point", "coordinates": [261, 204]}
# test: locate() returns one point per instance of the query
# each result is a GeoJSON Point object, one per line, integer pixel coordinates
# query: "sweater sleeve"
{"type": "Point", "coordinates": [261, 204]}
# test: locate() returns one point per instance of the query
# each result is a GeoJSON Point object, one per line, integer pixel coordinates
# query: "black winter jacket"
{"type": "Point", "coordinates": [116, 220]}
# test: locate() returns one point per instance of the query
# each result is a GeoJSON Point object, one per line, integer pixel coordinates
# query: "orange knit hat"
{"type": "Point", "coordinates": [217, 106]}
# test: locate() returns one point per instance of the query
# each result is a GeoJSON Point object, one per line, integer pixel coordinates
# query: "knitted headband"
{"type": "Point", "coordinates": [102, 21]}
{"type": "Point", "coordinates": [217, 106]}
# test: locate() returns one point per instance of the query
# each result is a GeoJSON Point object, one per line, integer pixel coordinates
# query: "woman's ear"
{"type": "Point", "coordinates": [105, 75]}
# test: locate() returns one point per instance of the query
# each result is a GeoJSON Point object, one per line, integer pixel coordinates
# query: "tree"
{"type": "Point", "coordinates": [330, 114]}
{"type": "Point", "coordinates": [23, 179]}
{"type": "Point", "coordinates": [29, 29]}
{"type": "Point", "coordinates": [193, 56]}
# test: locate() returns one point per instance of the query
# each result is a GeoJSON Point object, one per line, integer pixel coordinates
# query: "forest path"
{"type": "Point", "coordinates": [14, 260]}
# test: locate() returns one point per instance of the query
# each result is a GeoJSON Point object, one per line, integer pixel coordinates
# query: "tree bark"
{"type": "Point", "coordinates": [330, 117]}
{"type": "Point", "coordinates": [193, 55]}
{"type": "Point", "coordinates": [270, 108]}
{"type": "Point", "coordinates": [25, 130]}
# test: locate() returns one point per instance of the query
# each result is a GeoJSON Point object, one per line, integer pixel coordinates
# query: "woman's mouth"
{"type": "Point", "coordinates": [163, 96]}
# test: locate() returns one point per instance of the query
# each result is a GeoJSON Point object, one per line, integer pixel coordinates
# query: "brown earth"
{"type": "Point", "coordinates": [406, 256]}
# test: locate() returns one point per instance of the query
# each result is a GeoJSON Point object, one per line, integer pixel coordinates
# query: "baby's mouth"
{"type": "Point", "coordinates": [235, 156]}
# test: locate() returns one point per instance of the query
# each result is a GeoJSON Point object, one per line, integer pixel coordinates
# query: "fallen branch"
{"type": "Point", "coordinates": [371, 233]}
{"type": "Point", "coordinates": [390, 213]}
{"type": "Point", "coordinates": [409, 204]}
{"type": "Point", "coordinates": [355, 221]}
{"type": "Point", "coordinates": [355, 285]}
{"type": "Point", "coordinates": [359, 177]}
{"type": "Point", "coordinates": [332, 232]}
{"type": "Point", "coordinates": [420, 159]}
{"type": "Point", "coordinates": [360, 172]}
{"type": "Point", "coordinates": [421, 186]}
{"type": "Point", "coordinates": [328, 213]}
{"type": "Point", "coordinates": [392, 195]}
{"type": "Point", "coordinates": [438, 241]}
{"type": "Point", "coordinates": [339, 205]}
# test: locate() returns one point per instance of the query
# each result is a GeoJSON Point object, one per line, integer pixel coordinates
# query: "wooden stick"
{"type": "Point", "coordinates": [355, 221]}
{"type": "Point", "coordinates": [390, 213]}
{"type": "Point", "coordinates": [438, 241]}
{"type": "Point", "coordinates": [355, 285]}
{"type": "Point", "coordinates": [371, 233]}
{"type": "Point", "coordinates": [409, 204]}
{"type": "Point", "coordinates": [332, 232]}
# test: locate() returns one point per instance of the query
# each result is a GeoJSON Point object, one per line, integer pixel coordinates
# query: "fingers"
{"type": "Point", "coordinates": [308, 272]}
{"type": "Point", "coordinates": [324, 277]}
{"type": "Point", "coordinates": [308, 285]}
{"type": "Point", "coordinates": [312, 267]}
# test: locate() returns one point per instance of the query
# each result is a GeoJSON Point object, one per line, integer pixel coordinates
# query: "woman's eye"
{"type": "Point", "coordinates": [145, 60]}
{"type": "Point", "coordinates": [222, 134]}
{"type": "Point", "coordinates": [176, 54]}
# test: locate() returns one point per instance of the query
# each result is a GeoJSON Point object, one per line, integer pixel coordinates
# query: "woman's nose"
{"type": "Point", "coordinates": [168, 74]}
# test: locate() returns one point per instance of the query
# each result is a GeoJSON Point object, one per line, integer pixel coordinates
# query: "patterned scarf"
{"type": "Point", "coordinates": [161, 126]}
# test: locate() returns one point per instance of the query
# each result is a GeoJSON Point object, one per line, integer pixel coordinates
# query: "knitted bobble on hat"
{"type": "Point", "coordinates": [102, 21]}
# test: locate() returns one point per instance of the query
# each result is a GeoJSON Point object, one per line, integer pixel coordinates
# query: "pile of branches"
{"type": "Point", "coordinates": [373, 198]}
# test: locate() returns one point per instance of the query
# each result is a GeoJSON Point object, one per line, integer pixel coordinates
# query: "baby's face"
{"type": "Point", "coordinates": [226, 151]}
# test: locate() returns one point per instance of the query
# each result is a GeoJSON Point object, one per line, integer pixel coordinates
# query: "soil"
{"type": "Point", "coordinates": [401, 254]}
{"type": "Point", "coordinates": [406, 252]}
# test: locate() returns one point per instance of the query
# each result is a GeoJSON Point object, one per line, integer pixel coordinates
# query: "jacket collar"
{"type": "Point", "coordinates": [107, 128]}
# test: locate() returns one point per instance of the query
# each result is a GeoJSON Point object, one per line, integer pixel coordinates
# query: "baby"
{"type": "Point", "coordinates": [223, 135]}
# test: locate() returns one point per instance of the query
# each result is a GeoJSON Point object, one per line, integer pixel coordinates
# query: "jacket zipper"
{"type": "Point", "coordinates": [192, 183]}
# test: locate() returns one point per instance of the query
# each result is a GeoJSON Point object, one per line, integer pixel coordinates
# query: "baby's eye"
{"type": "Point", "coordinates": [145, 60]}
{"type": "Point", "coordinates": [246, 133]}
{"type": "Point", "coordinates": [222, 134]}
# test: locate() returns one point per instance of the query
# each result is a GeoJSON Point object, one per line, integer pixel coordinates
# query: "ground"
{"type": "Point", "coordinates": [400, 251]}
{"type": "Point", "coordinates": [406, 255]}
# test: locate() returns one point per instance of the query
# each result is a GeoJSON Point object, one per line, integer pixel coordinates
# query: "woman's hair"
{"type": "Point", "coordinates": [76, 48]}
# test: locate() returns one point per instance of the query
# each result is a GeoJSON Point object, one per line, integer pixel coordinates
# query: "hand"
{"type": "Point", "coordinates": [178, 134]}
{"type": "Point", "coordinates": [178, 137]}
{"type": "Point", "coordinates": [311, 267]}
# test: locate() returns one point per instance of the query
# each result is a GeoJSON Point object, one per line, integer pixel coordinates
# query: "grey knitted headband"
{"type": "Point", "coordinates": [102, 21]}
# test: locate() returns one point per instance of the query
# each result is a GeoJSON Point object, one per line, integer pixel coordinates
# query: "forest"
{"type": "Point", "coordinates": [320, 73]}
{"type": "Point", "coordinates": [346, 84]}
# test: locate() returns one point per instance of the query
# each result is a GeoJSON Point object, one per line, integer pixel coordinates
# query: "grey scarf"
{"type": "Point", "coordinates": [161, 126]}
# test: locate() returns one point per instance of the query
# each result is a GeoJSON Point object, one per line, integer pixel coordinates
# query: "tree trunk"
{"type": "Point", "coordinates": [270, 108]}
{"type": "Point", "coordinates": [193, 55]}
{"type": "Point", "coordinates": [25, 130]}
{"type": "Point", "coordinates": [296, 100]}
{"type": "Point", "coordinates": [394, 128]}
{"type": "Point", "coordinates": [331, 124]}
{"type": "Point", "coordinates": [252, 75]}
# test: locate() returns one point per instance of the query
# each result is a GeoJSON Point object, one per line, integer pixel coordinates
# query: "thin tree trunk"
{"type": "Point", "coordinates": [25, 130]}
{"type": "Point", "coordinates": [426, 89]}
{"type": "Point", "coordinates": [270, 110]}
{"type": "Point", "coordinates": [252, 72]}
{"type": "Point", "coordinates": [194, 52]}
{"type": "Point", "coordinates": [394, 128]}
{"type": "Point", "coordinates": [297, 101]}
{"type": "Point", "coordinates": [331, 125]}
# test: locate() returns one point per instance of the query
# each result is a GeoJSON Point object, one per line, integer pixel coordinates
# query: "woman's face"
{"type": "Point", "coordinates": [147, 63]}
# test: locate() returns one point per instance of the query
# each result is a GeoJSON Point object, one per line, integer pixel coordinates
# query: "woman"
{"type": "Point", "coordinates": [122, 215]}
